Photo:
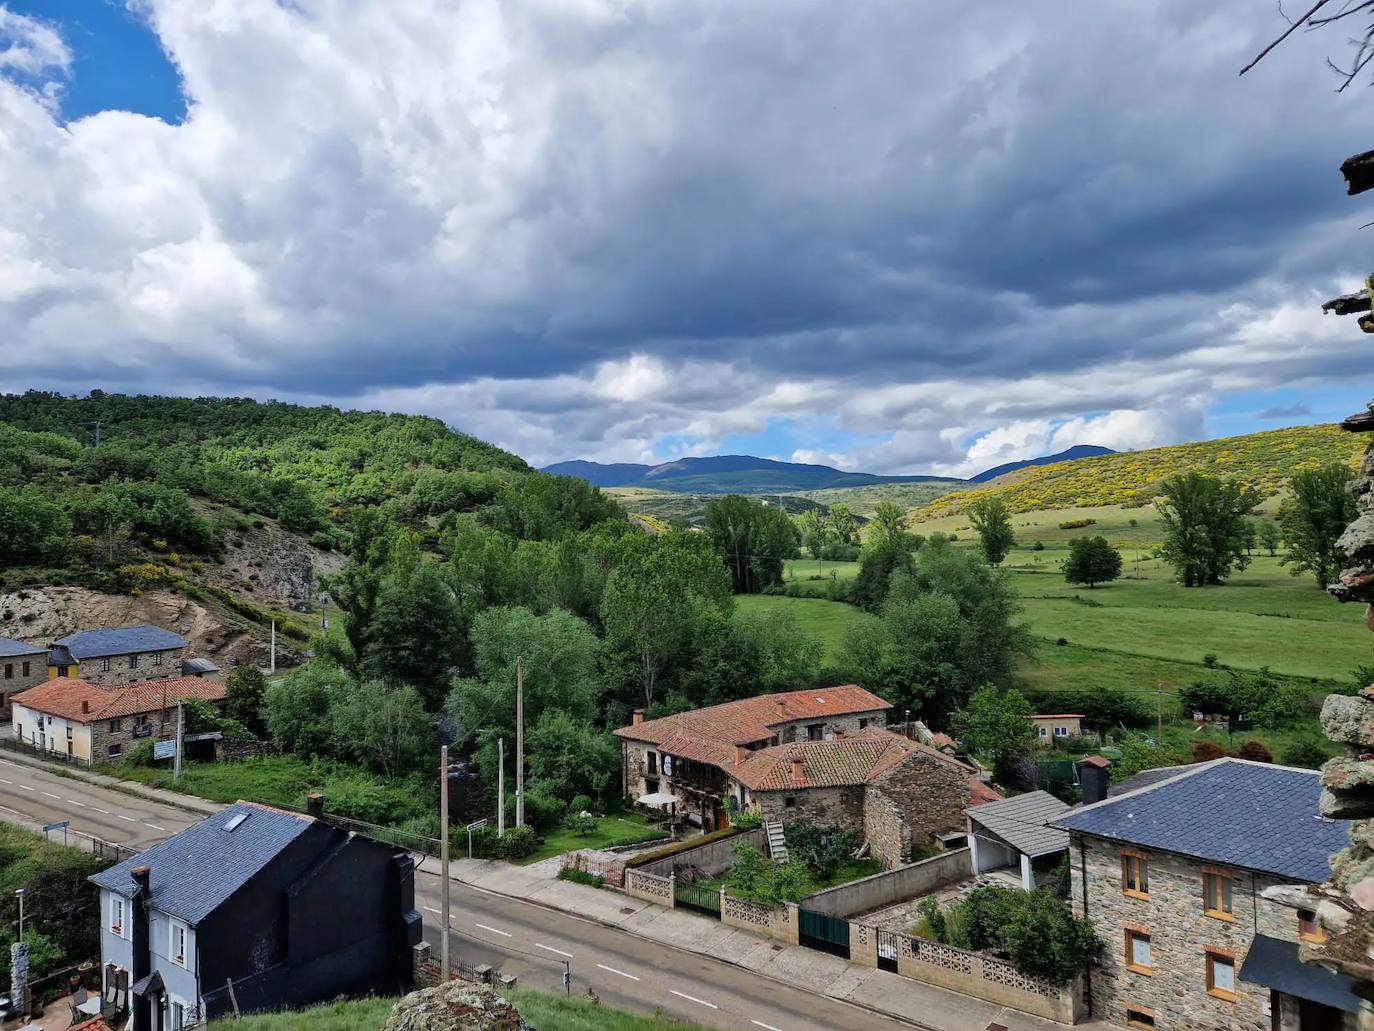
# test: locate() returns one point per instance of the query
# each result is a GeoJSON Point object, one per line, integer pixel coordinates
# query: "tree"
{"type": "Point", "coordinates": [1092, 561]}
{"type": "Point", "coordinates": [1269, 536]}
{"type": "Point", "coordinates": [568, 756]}
{"type": "Point", "coordinates": [1204, 524]}
{"type": "Point", "coordinates": [1313, 518]}
{"type": "Point", "coordinates": [887, 528]}
{"type": "Point", "coordinates": [813, 531]}
{"type": "Point", "coordinates": [298, 708]}
{"type": "Point", "coordinates": [30, 524]}
{"type": "Point", "coordinates": [383, 726]}
{"type": "Point", "coordinates": [878, 564]}
{"type": "Point", "coordinates": [245, 695]}
{"type": "Point", "coordinates": [991, 519]}
{"type": "Point", "coordinates": [843, 525]}
{"type": "Point", "coordinates": [416, 635]}
{"type": "Point", "coordinates": [995, 725]}
{"type": "Point", "coordinates": [752, 539]}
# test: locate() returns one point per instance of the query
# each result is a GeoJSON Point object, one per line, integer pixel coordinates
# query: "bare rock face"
{"type": "Point", "coordinates": [456, 1006]}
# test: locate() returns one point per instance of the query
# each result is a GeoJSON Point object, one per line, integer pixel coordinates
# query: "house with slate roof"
{"type": "Point", "coordinates": [103, 722]}
{"type": "Point", "coordinates": [821, 756]}
{"type": "Point", "coordinates": [286, 908]}
{"type": "Point", "coordinates": [121, 655]}
{"type": "Point", "coordinates": [1173, 875]}
{"type": "Point", "coordinates": [22, 666]}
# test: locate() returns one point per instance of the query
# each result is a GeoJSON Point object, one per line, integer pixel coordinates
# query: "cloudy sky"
{"type": "Point", "coordinates": [891, 235]}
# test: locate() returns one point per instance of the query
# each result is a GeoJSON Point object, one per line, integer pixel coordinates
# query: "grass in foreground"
{"type": "Point", "coordinates": [544, 1010]}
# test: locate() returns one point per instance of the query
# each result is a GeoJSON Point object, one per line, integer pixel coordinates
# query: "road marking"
{"type": "Point", "coordinates": [25, 787]}
{"type": "Point", "coordinates": [550, 948]}
{"type": "Point", "coordinates": [51, 795]}
{"type": "Point", "coordinates": [4, 781]}
{"type": "Point", "coordinates": [613, 970]}
{"type": "Point", "coordinates": [495, 930]}
{"type": "Point", "coordinates": [99, 810]}
{"type": "Point", "coordinates": [128, 819]}
{"type": "Point", "coordinates": [431, 909]}
{"type": "Point", "coordinates": [689, 998]}
{"type": "Point", "coordinates": [74, 802]}
{"type": "Point", "coordinates": [153, 826]}
{"type": "Point", "coordinates": [766, 1027]}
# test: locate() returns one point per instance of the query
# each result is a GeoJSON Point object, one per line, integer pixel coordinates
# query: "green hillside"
{"type": "Point", "coordinates": [1262, 461]}
{"type": "Point", "coordinates": [863, 501]}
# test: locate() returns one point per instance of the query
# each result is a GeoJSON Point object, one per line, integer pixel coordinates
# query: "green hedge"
{"type": "Point", "coordinates": [677, 847]}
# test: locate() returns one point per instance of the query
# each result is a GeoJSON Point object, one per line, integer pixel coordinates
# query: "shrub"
{"type": "Point", "coordinates": [572, 873]}
{"type": "Point", "coordinates": [1308, 754]}
{"type": "Point", "coordinates": [1076, 524]}
{"type": "Point", "coordinates": [541, 811]}
{"type": "Point", "coordinates": [746, 821]}
{"type": "Point", "coordinates": [821, 849]}
{"type": "Point", "coordinates": [580, 804]}
{"type": "Point", "coordinates": [1210, 660]}
{"type": "Point", "coordinates": [1038, 546]}
{"type": "Point", "coordinates": [580, 822]}
{"type": "Point", "coordinates": [518, 843]}
{"type": "Point", "coordinates": [1206, 751]}
{"type": "Point", "coordinates": [1037, 932]}
{"type": "Point", "coordinates": [1255, 751]}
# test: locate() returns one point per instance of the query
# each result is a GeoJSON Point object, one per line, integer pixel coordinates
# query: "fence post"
{"type": "Point", "coordinates": [672, 889]}
{"type": "Point", "coordinates": [791, 933]}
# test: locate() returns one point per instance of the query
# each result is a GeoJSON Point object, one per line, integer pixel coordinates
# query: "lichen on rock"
{"type": "Point", "coordinates": [456, 1006]}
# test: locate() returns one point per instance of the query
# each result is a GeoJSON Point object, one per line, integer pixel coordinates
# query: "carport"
{"type": "Point", "coordinates": [1014, 831]}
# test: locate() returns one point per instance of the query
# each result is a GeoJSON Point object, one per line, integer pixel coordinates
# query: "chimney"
{"type": "Point", "coordinates": [741, 753]}
{"type": "Point", "coordinates": [637, 718]}
{"type": "Point", "coordinates": [1094, 774]}
{"type": "Point", "coordinates": [782, 709]}
{"type": "Point", "coordinates": [314, 805]}
{"type": "Point", "coordinates": [85, 706]}
{"type": "Point", "coordinates": [138, 941]}
{"type": "Point", "coordinates": [798, 771]}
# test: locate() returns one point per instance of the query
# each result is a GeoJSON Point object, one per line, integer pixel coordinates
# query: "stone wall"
{"type": "Point", "coordinates": [892, 886]}
{"type": "Point", "coordinates": [104, 734]}
{"type": "Point", "coordinates": [14, 679]}
{"type": "Point", "coordinates": [817, 806]}
{"type": "Point", "coordinates": [929, 794]}
{"type": "Point", "coordinates": [709, 859]}
{"type": "Point", "coordinates": [848, 724]}
{"type": "Point", "coordinates": [1179, 930]}
{"type": "Point", "coordinates": [151, 666]}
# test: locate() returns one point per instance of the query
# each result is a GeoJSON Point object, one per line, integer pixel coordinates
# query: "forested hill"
{"type": "Point", "coordinates": [1263, 462]}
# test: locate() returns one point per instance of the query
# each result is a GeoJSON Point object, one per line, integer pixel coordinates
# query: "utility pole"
{"type": "Point", "coordinates": [443, 856]}
{"type": "Point", "coordinates": [273, 659]}
{"type": "Point", "coordinates": [500, 787]}
{"type": "Point", "coordinates": [1159, 715]}
{"type": "Point", "coordinates": [519, 742]}
{"type": "Point", "coordinates": [181, 736]}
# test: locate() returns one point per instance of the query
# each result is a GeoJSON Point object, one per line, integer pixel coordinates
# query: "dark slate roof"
{"type": "Point", "coordinates": [9, 646]}
{"type": "Point", "coordinates": [195, 667]}
{"type": "Point", "coordinates": [59, 656]}
{"type": "Point", "coordinates": [87, 644]}
{"type": "Point", "coordinates": [195, 871]}
{"type": "Point", "coordinates": [1147, 778]}
{"type": "Point", "coordinates": [1275, 964]}
{"type": "Point", "coordinates": [1252, 815]}
{"type": "Point", "coordinates": [1023, 822]}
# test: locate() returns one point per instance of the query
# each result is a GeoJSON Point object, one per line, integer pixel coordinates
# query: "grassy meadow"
{"type": "Point", "coordinates": [826, 620]}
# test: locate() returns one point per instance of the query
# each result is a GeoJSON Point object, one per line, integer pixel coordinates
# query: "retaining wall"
{"type": "Point", "coordinates": [712, 858]}
{"type": "Point", "coordinates": [892, 886]}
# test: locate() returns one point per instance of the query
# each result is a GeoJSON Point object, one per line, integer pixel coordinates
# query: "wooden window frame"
{"type": "Point", "coordinates": [1218, 914]}
{"type": "Point", "coordinates": [1128, 855]}
{"type": "Point", "coordinates": [174, 928]}
{"type": "Point", "coordinates": [1318, 934]}
{"type": "Point", "coordinates": [1129, 933]}
{"type": "Point", "coordinates": [1144, 1011]}
{"type": "Point", "coordinates": [1210, 956]}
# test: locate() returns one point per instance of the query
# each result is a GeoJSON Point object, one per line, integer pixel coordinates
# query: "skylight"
{"type": "Point", "coordinates": [235, 822]}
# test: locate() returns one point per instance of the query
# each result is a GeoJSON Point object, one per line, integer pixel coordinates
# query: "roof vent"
{"type": "Point", "coordinates": [820, 699]}
{"type": "Point", "coordinates": [235, 822]}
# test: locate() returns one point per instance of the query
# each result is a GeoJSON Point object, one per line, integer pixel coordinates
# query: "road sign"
{"type": "Point", "coordinates": [164, 749]}
{"type": "Point", "coordinates": [60, 825]}
{"type": "Point", "coordinates": [475, 825]}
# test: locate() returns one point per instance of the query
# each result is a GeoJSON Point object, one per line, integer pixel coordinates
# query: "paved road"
{"type": "Point", "coordinates": [520, 938]}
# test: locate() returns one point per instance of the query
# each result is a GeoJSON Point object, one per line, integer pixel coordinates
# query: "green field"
{"type": "Point", "coordinates": [615, 828]}
{"type": "Point", "coordinates": [826, 620]}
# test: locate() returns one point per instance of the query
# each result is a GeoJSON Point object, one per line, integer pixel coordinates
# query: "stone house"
{"type": "Point", "coordinates": [22, 666]}
{"type": "Point", "coordinates": [1173, 876]}
{"type": "Point", "coordinates": [820, 756]}
{"type": "Point", "coordinates": [103, 722]}
{"type": "Point", "coordinates": [122, 655]}
{"type": "Point", "coordinates": [252, 896]}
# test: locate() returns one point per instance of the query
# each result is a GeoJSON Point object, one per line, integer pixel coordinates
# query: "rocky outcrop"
{"type": "Point", "coordinates": [43, 614]}
{"type": "Point", "coordinates": [273, 566]}
{"type": "Point", "coordinates": [456, 1006]}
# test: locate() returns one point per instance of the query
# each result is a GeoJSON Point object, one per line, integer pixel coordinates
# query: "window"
{"type": "Point", "coordinates": [1042, 731]}
{"type": "Point", "coordinates": [117, 915]}
{"type": "Point", "coordinates": [789, 801]}
{"type": "Point", "coordinates": [133, 661]}
{"type": "Point", "coordinates": [1308, 928]}
{"type": "Point", "coordinates": [105, 665]}
{"type": "Point", "coordinates": [1139, 958]}
{"type": "Point", "coordinates": [1216, 894]}
{"type": "Point", "coordinates": [1061, 731]}
{"type": "Point", "coordinates": [651, 763]}
{"type": "Point", "coordinates": [1135, 875]}
{"type": "Point", "coordinates": [1221, 974]}
{"type": "Point", "coordinates": [178, 1016]}
{"type": "Point", "coordinates": [862, 722]}
{"type": "Point", "coordinates": [178, 943]}
{"type": "Point", "coordinates": [9, 671]}
{"type": "Point", "coordinates": [1138, 1017]}
{"type": "Point", "coordinates": [25, 669]}
{"type": "Point", "coordinates": [114, 726]}
{"type": "Point", "coordinates": [115, 751]}
{"type": "Point", "coordinates": [815, 732]}
{"type": "Point", "coordinates": [69, 731]}
{"type": "Point", "coordinates": [157, 658]}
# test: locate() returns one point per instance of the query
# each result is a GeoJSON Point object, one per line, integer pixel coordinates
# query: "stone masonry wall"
{"type": "Point", "coordinates": [1176, 990]}
{"type": "Point", "coordinates": [906, 807]}
{"type": "Point", "coordinates": [13, 679]}
{"type": "Point", "coordinates": [92, 671]}
{"type": "Point", "coordinates": [848, 724]}
{"type": "Point", "coordinates": [818, 806]}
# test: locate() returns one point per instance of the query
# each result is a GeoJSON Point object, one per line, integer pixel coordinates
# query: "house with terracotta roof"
{"type": "Point", "coordinates": [102, 722]}
{"type": "Point", "coordinates": [821, 756]}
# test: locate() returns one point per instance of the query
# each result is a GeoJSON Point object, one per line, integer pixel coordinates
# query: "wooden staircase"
{"type": "Point", "coordinates": [777, 841]}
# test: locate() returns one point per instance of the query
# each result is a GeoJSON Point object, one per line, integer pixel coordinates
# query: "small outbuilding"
{"type": "Point", "coordinates": [1015, 832]}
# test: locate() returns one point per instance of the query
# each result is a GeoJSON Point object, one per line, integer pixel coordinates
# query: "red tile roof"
{"type": "Point", "coordinates": [840, 762]}
{"type": "Point", "coordinates": [752, 719]}
{"type": "Point", "coordinates": [1056, 716]}
{"type": "Point", "coordinates": [64, 697]}
{"type": "Point", "coordinates": [1096, 760]}
{"type": "Point", "coordinates": [980, 793]}
{"type": "Point", "coordinates": [94, 1024]}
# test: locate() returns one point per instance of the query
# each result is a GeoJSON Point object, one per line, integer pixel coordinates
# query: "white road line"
{"type": "Point", "coordinates": [550, 948]}
{"type": "Point", "coordinates": [128, 819]}
{"type": "Point", "coordinates": [74, 802]}
{"type": "Point", "coordinates": [4, 781]}
{"type": "Point", "coordinates": [154, 826]}
{"type": "Point", "coordinates": [613, 970]}
{"type": "Point", "coordinates": [431, 909]}
{"type": "Point", "coordinates": [25, 787]}
{"type": "Point", "coordinates": [495, 930]}
{"type": "Point", "coordinates": [99, 810]}
{"type": "Point", "coordinates": [690, 998]}
{"type": "Point", "coordinates": [766, 1027]}
{"type": "Point", "coordinates": [51, 795]}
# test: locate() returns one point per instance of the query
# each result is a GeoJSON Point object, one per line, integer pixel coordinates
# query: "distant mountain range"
{"type": "Point", "coordinates": [1077, 451]}
{"type": "Point", "coordinates": [745, 474]}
